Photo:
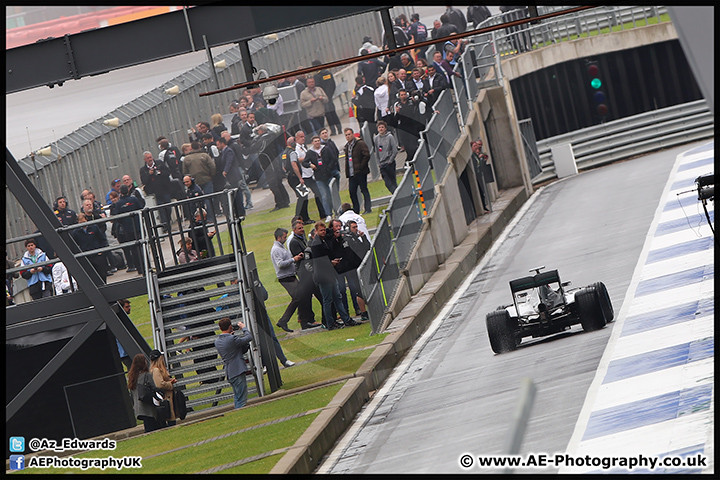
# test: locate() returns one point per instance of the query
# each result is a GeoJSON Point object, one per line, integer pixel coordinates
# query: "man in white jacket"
{"type": "Point", "coordinates": [61, 279]}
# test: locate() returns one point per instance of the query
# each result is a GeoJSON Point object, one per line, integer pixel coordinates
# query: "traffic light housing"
{"type": "Point", "coordinates": [596, 88]}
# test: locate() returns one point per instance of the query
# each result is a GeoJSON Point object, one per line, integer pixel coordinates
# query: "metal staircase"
{"type": "Point", "coordinates": [185, 305]}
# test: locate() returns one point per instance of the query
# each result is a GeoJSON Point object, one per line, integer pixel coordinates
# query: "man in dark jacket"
{"type": "Point", "coordinates": [242, 184]}
{"type": "Point", "coordinates": [446, 28]}
{"type": "Point", "coordinates": [231, 172]}
{"type": "Point", "coordinates": [63, 213]}
{"type": "Point", "coordinates": [357, 157]}
{"type": "Point", "coordinates": [371, 69]}
{"type": "Point", "coordinates": [297, 245]}
{"type": "Point", "coordinates": [129, 228]}
{"type": "Point", "coordinates": [155, 176]}
{"type": "Point", "coordinates": [457, 18]}
{"type": "Point", "coordinates": [193, 190]}
{"type": "Point", "coordinates": [321, 160]}
{"type": "Point", "coordinates": [325, 277]}
{"type": "Point", "coordinates": [436, 84]}
{"type": "Point", "coordinates": [407, 119]}
{"type": "Point", "coordinates": [325, 80]}
{"type": "Point", "coordinates": [364, 101]}
{"type": "Point", "coordinates": [477, 14]}
{"type": "Point", "coordinates": [269, 149]}
{"type": "Point", "coordinates": [231, 348]}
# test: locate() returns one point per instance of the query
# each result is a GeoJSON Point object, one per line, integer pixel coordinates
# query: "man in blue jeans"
{"type": "Point", "coordinates": [325, 277]}
{"type": "Point", "coordinates": [320, 160]}
{"type": "Point", "coordinates": [357, 158]}
{"type": "Point", "coordinates": [232, 348]}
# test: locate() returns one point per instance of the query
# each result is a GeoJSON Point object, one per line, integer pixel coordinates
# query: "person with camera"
{"type": "Point", "coordinates": [231, 348]}
{"type": "Point", "coordinates": [326, 277]}
{"type": "Point", "coordinates": [306, 286]}
{"type": "Point", "coordinates": [155, 176]}
{"type": "Point", "coordinates": [285, 267]}
{"type": "Point", "coordinates": [346, 268]}
{"type": "Point", "coordinates": [323, 163]}
{"type": "Point", "coordinates": [481, 166]}
{"type": "Point", "coordinates": [268, 144]}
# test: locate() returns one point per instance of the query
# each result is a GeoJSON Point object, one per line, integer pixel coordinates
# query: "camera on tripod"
{"type": "Point", "coordinates": [706, 187]}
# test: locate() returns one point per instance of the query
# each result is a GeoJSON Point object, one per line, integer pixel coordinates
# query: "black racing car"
{"type": "Point", "coordinates": [542, 306]}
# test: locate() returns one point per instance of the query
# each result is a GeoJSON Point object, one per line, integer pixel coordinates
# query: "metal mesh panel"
{"type": "Point", "coordinates": [379, 274]}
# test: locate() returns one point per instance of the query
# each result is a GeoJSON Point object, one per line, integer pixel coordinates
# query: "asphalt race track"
{"type": "Point", "coordinates": [456, 396]}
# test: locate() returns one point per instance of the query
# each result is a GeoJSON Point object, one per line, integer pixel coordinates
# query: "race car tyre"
{"type": "Point", "coordinates": [605, 302]}
{"type": "Point", "coordinates": [590, 309]}
{"type": "Point", "coordinates": [502, 331]}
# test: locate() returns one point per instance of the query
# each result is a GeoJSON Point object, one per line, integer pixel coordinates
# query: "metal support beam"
{"type": "Point", "coordinates": [389, 31]}
{"type": "Point", "coordinates": [150, 39]}
{"type": "Point", "coordinates": [50, 368]}
{"type": "Point", "coordinates": [85, 275]}
{"type": "Point", "coordinates": [247, 62]}
{"type": "Point", "coordinates": [112, 292]}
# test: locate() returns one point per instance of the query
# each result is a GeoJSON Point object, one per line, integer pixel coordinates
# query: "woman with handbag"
{"type": "Point", "coordinates": [163, 380]}
{"type": "Point", "coordinates": [139, 378]}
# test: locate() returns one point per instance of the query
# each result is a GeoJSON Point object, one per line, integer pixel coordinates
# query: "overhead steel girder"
{"type": "Point", "coordinates": [111, 292]}
{"type": "Point", "coordinates": [54, 61]}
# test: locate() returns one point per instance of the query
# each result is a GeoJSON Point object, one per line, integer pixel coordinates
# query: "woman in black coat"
{"type": "Point", "coordinates": [140, 374]}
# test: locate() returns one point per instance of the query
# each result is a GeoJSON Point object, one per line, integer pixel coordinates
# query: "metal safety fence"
{"type": "Point", "coordinates": [627, 137]}
{"type": "Point", "coordinates": [402, 221]}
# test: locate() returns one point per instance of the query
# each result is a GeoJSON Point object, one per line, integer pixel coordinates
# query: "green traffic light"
{"type": "Point", "coordinates": [596, 83]}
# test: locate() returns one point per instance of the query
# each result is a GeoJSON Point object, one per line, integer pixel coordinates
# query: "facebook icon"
{"type": "Point", "coordinates": [17, 462]}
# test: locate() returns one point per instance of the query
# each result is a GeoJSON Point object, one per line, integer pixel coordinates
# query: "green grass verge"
{"type": "Point", "coordinates": [220, 451]}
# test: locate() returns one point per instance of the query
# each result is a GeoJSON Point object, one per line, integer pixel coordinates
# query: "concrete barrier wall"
{"type": "Point", "coordinates": [445, 228]}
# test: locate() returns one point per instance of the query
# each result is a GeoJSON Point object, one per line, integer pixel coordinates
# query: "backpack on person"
{"type": "Point", "coordinates": [179, 404]}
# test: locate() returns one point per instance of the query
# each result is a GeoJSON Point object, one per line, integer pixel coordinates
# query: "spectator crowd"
{"type": "Point", "coordinates": [264, 146]}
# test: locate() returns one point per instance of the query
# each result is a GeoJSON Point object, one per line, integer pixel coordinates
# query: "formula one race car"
{"type": "Point", "coordinates": [541, 306]}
